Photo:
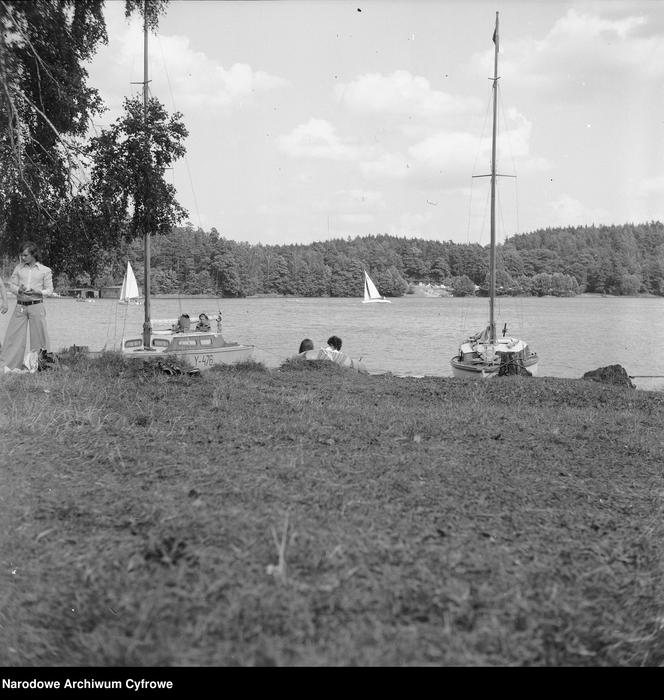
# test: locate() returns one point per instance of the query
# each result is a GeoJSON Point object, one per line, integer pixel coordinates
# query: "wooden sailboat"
{"type": "Point", "coordinates": [371, 293]}
{"type": "Point", "coordinates": [129, 293]}
{"type": "Point", "coordinates": [485, 355]}
{"type": "Point", "coordinates": [200, 349]}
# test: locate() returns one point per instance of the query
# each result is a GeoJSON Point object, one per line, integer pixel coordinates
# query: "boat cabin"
{"type": "Point", "coordinates": [173, 342]}
{"type": "Point", "coordinates": [515, 349]}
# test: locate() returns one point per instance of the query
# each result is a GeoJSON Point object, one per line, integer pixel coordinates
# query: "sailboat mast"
{"type": "Point", "coordinates": [492, 254]}
{"type": "Point", "coordinates": [147, 326]}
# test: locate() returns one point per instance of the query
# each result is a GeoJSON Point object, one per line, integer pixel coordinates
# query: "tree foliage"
{"type": "Point", "coordinates": [46, 106]}
{"type": "Point", "coordinates": [334, 267]}
{"type": "Point", "coordinates": [127, 190]}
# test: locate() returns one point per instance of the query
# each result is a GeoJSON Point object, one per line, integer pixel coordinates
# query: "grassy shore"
{"type": "Point", "coordinates": [313, 516]}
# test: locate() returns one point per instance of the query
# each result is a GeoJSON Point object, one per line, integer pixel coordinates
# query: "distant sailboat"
{"type": "Point", "coordinates": [371, 294]}
{"type": "Point", "coordinates": [129, 293]}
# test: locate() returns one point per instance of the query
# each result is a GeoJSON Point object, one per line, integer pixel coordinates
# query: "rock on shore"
{"type": "Point", "coordinates": [612, 374]}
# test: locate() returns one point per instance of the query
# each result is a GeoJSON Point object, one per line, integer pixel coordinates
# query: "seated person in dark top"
{"type": "Point", "coordinates": [305, 345]}
{"type": "Point", "coordinates": [306, 351]}
{"type": "Point", "coordinates": [203, 323]}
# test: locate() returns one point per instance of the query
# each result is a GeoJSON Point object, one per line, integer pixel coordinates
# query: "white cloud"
{"type": "Point", "coordinates": [392, 166]}
{"type": "Point", "coordinates": [181, 77]}
{"type": "Point", "coordinates": [399, 94]}
{"type": "Point", "coordinates": [316, 139]}
{"type": "Point", "coordinates": [360, 219]}
{"type": "Point", "coordinates": [352, 206]}
{"type": "Point", "coordinates": [581, 26]}
{"type": "Point", "coordinates": [651, 186]}
{"type": "Point", "coordinates": [446, 151]}
{"type": "Point", "coordinates": [582, 54]}
{"type": "Point", "coordinates": [567, 210]}
{"type": "Point", "coordinates": [356, 199]}
{"type": "Point", "coordinates": [410, 224]}
{"type": "Point", "coordinates": [201, 82]}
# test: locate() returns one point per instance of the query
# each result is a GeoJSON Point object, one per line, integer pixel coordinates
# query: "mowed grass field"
{"type": "Point", "coordinates": [310, 516]}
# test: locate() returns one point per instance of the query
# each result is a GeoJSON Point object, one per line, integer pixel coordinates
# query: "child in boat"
{"type": "Point", "coordinates": [183, 324]}
{"type": "Point", "coordinates": [203, 323]}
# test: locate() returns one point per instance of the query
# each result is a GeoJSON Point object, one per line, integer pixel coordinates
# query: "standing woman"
{"type": "Point", "coordinates": [31, 282]}
{"type": "Point", "coordinates": [3, 294]}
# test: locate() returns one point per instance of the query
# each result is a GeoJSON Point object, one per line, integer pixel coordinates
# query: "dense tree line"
{"type": "Point", "coordinates": [90, 225]}
{"type": "Point", "coordinates": [626, 259]}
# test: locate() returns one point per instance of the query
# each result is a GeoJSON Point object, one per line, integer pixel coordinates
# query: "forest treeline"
{"type": "Point", "coordinates": [620, 260]}
{"type": "Point", "coordinates": [88, 227]}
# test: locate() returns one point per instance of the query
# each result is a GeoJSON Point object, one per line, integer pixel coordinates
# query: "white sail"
{"type": "Point", "coordinates": [129, 291]}
{"type": "Point", "coordinates": [370, 291]}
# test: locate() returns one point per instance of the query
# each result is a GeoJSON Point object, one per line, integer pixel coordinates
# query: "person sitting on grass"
{"type": "Point", "coordinates": [306, 351]}
{"type": "Point", "coordinates": [333, 352]}
{"type": "Point", "coordinates": [305, 345]}
{"type": "Point", "coordinates": [203, 323]}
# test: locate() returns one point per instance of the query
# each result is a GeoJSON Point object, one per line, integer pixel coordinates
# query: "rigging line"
{"type": "Point", "coordinates": [175, 109]}
{"type": "Point", "coordinates": [477, 157]}
{"type": "Point", "coordinates": [507, 139]}
{"type": "Point", "coordinates": [464, 307]}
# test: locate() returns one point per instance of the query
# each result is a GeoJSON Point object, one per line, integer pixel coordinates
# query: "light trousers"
{"type": "Point", "coordinates": [25, 319]}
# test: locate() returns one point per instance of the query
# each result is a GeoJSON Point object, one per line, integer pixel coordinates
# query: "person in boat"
{"type": "Point", "coordinates": [203, 323]}
{"type": "Point", "coordinates": [31, 282]}
{"type": "Point", "coordinates": [183, 324]}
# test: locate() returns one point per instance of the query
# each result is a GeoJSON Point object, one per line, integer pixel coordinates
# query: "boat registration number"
{"type": "Point", "coordinates": [203, 360]}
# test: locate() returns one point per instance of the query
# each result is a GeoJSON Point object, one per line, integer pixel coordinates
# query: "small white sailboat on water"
{"type": "Point", "coordinates": [484, 355]}
{"type": "Point", "coordinates": [371, 293]}
{"type": "Point", "coordinates": [129, 293]}
{"type": "Point", "coordinates": [200, 349]}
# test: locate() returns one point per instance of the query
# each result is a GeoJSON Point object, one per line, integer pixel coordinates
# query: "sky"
{"type": "Point", "coordinates": [317, 119]}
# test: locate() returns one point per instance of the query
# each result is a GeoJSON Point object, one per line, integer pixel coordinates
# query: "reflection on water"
{"type": "Point", "coordinates": [412, 335]}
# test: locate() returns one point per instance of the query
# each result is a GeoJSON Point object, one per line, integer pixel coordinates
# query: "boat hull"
{"type": "Point", "coordinates": [200, 350]}
{"type": "Point", "coordinates": [200, 359]}
{"type": "Point", "coordinates": [481, 370]}
{"type": "Point", "coordinates": [376, 301]}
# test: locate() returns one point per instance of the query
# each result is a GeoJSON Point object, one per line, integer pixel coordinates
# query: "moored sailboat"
{"type": "Point", "coordinates": [200, 349]}
{"type": "Point", "coordinates": [371, 293]}
{"type": "Point", "coordinates": [484, 355]}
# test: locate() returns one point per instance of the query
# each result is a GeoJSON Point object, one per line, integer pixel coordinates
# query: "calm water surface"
{"type": "Point", "coordinates": [412, 335]}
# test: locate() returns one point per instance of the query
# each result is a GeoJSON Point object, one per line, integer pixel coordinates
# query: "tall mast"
{"type": "Point", "coordinates": [492, 254]}
{"type": "Point", "coordinates": [147, 326]}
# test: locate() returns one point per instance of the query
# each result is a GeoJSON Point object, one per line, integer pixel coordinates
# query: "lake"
{"type": "Point", "coordinates": [410, 336]}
